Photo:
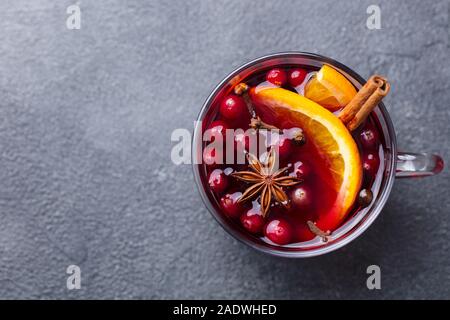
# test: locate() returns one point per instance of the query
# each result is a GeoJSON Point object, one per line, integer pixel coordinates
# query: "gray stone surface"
{"type": "Point", "coordinates": [85, 123]}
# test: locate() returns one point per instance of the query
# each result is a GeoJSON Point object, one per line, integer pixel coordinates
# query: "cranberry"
{"type": "Point", "coordinates": [218, 181]}
{"type": "Point", "coordinates": [371, 161]}
{"type": "Point", "coordinates": [301, 170]}
{"type": "Point", "coordinates": [369, 138]}
{"type": "Point", "coordinates": [278, 231]}
{"type": "Point", "coordinates": [212, 156]}
{"type": "Point", "coordinates": [296, 77]}
{"type": "Point", "coordinates": [230, 206]}
{"type": "Point", "coordinates": [218, 128]}
{"type": "Point", "coordinates": [253, 221]}
{"type": "Point", "coordinates": [233, 108]}
{"type": "Point", "coordinates": [276, 76]}
{"type": "Point", "coordinates": [301, 198]}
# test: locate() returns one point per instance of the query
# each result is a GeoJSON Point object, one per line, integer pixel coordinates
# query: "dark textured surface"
{"type": "Point", "coordinates": [85, 123]}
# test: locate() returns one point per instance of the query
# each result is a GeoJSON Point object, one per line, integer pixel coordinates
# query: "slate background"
{"type": "Point", "coordinates": [85, 123]}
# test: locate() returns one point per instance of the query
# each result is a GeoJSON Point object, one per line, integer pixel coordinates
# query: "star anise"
{"type": "Point", "coordinates": [266, 181]}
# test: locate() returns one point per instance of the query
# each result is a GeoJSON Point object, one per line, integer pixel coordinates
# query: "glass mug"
{"type": "Point", "coordinates": [396, 164]}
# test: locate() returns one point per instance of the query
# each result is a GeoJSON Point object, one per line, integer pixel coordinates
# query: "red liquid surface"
{"type": "Point", "coordinates": [317, 180]}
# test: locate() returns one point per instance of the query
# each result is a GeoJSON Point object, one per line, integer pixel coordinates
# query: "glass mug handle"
{"type": "Point", "coordinates": [418, 164]}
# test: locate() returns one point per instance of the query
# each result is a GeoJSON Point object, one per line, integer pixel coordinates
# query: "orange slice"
{"type": "Point", "coordinates": [332, 140]}
{"type": "Point", "coordinates": [330, 89]}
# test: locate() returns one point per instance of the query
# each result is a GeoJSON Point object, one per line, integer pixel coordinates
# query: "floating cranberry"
{"type": "Point", "coordinates": [233, 108]}
{"type": "Point", "coordinates": [301, 198]}
{"type": "Point", "coordinates": [218, 128]}
{"type": "Point", "coordinates": [371, 161]}
{"type": "Point", "coordinates": [230, 206]}
{"type": "Point", "coordinates": [296, 77]}
{"type": "Point", "coordinates": [253, 220]}
{"type": "Point", "coordinates": [369, 138]}
{"type": "Point", "coordinates": [278, 231]}
{"type": "Point", "coordinates": [301, 170]}
{"type": "Point", "coordinates": [218, 181]}
{"type": "Point", "coordinates": [277, 77]}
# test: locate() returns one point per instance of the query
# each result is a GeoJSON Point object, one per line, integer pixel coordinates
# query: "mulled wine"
{"type": "Point", "coordinates": [291, 152]}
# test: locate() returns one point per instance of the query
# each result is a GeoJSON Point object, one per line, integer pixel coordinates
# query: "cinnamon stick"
{"type": "Point", "coordinates": [368, 106]}
{"type": "Point", "coordinates": [368, 97]}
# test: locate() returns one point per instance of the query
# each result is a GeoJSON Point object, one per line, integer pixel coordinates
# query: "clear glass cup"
{"type": "Point", "coordinates": [396, 164]}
